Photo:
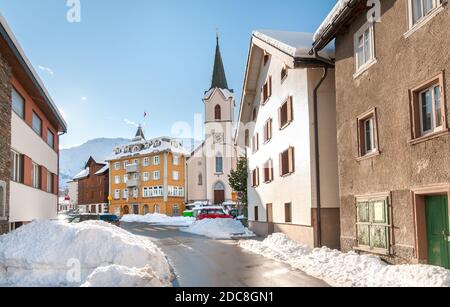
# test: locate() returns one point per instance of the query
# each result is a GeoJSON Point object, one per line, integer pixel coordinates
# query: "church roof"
{"type": "Point", "coordinates": [219, 78]}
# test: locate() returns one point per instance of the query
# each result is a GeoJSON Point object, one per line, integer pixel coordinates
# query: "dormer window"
{"type": "Point", "coordinates": [218, 113]}
{"type": "Point", "coordinates": [266, 58]}
{"type": "Point", "coordinates": [284, 73]}
{"type": "Point", "coordinates": [135, 148]}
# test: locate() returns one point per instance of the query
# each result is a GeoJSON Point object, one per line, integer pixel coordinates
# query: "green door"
{"type": "Point", "coordinates": [438, 230]}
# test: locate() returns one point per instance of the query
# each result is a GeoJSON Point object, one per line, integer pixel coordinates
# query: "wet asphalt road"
{"type": "Point", "coordinates": [202, 262]}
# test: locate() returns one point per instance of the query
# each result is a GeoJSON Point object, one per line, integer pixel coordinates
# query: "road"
{"type": "Point", "coordinates": [202, 262]}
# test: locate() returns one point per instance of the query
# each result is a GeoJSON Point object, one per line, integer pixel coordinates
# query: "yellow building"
{"type": "Point", "coordinates": [148, 177]}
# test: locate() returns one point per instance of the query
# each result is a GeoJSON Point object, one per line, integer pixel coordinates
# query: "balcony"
{"type": "Point", "coordinates": [132, 168]}
{"type": "Point", "coordinates": [132, 183]}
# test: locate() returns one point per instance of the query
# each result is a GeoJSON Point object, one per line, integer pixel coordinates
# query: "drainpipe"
{"type": "Point", "coordinates": [317, 156]}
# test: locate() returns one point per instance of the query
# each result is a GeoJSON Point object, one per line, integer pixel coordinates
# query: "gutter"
{"type": "Point", "coordinates": [317, 152]}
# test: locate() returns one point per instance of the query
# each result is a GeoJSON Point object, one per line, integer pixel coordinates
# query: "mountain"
{"type": "Point", "coordinates": [72, 160]}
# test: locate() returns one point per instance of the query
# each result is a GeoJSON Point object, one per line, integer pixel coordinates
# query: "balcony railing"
{"type": "Point", "coordinates": [131, 183]}
{"type": "Point", "coordinates": [132, 168]}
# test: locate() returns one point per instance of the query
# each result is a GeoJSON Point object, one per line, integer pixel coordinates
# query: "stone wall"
{"type": "Point", "coordinates": [5, 132]}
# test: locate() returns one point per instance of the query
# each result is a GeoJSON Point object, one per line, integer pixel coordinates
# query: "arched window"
{"type": "Point", "coordinates": [218, 112]}
{"type": "Point", "coordinates": [146, 210]}
{"type": "Point", "coordinates": [200, 179]}
{"type": "Point", "coordinates": [219, 186]}
{"type": "Point", "coordinates": [219, 164]}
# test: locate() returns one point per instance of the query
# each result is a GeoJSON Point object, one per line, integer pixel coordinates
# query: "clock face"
{"type": "Point", "coordinates": [218, 138]}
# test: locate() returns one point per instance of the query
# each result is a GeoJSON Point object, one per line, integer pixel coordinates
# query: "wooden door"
{"type": "Point", "coordinates": [219, 197]}
{"type": "Point", "coordinates": [437, 217]}
{"type": "Point", "coordinates": [269, 215]}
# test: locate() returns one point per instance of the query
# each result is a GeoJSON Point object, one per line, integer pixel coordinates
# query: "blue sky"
{"type": "Point", "coordinates": [130, 56]}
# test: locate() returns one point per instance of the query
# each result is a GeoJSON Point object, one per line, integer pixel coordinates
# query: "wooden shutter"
{"type": "Point", "coordinates": [256, 214]}
{"type": "Point", "coordinates": [257, 176]}
{"type": "Point", "coordinates": [290, 111]}
{"type": "Point", "coordinates": [291, 159]}
{"type": "Point", "coordinates": [270, 87]}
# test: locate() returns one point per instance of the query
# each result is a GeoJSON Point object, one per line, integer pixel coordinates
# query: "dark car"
{"type": "Point", "coordinates": [108, 218]}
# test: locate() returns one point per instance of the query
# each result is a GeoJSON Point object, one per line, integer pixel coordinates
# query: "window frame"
{"type": "Point", "coordinates": [23, 102]}
{"type": "Point", "coordinates": [416, 124]}
{"type": "Point", "coordinates": [288, 102]}
{"type": "Point", "coordinates": [268, 130]}
{"type": "Point", "coordinates": [217, 112]}
{"type": "Point", "coordinates": [36, 176]}
{"type": "Point", "coordinates": [372, 60]}
{"type": "Point", "coordinates": [268, 171]}
{"type": "Point", "coordinates": [290, 160]}
{"type": "Point", "coordinates": [255, 177]}
{"type": "Point", "coordinates": [437, 5]}
{"type": "Point", "coordinates": [219, 162]}
{"type": "Point", "coordinates": [17, 167]}
{"type": "Point", "coordinates": [284, 73]}
{"type": "Point", "coordinates": [155, 178]}
{"type": "Point", "coordinates": [33, 117]}
{"type": "Point", "coordinates": [156, 160]}
{"type": "Point", "coordinates": [288, 209]}
{"type": "Point", "coordinates": [363, 153]}
{"type": "Point", "coordinates": [50, 133]}
{"type": "Point", "coordinates": [266, 91]}
{"type": "Point", "coordinates": [176, 175]}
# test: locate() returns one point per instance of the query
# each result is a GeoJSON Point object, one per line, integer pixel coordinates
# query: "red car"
{"type": "Point", "coordinates": [212, 213]}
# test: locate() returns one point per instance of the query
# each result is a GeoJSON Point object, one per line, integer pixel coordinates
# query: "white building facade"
{"type": "Point", "coordinates": [211, 163]}
{"type": "Point", "coordinates": [276, 126]}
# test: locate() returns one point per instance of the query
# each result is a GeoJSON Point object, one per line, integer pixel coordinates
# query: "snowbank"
{"type": "Point", "coordinates": [219, 229]}
{"type": "Point", "coordinates": [52, 253]}
{"type": "Point", "coordinates": [347, 269]}
{"type": "Point", "coordinates": [159, 219]}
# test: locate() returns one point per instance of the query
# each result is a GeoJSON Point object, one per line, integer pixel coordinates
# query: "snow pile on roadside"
{"type": "Point", "coordinates": [52, 254]}
{"type": "Point", "coordinates": [159, 219]}
{"type": "Point", "coordinates": [347, 269]}
{"type": "Point", "coordinates": [121, 276]}
{"type": "Point", "coordinates": [219, 229]}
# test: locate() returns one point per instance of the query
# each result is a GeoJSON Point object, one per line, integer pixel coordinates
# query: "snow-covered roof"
{"type": "Point", "coordinates": [226, 93]}
{"type": "Point", "coordinates": [83, 174]}
{"type": "Point", "coordinates": [103, 169]}
{"type": "Point", "coordinates": [144, 147]}
{"type": "Point", "coordinates": [335, 12]}
{"type": "Point", "coordinates": [295, 44]}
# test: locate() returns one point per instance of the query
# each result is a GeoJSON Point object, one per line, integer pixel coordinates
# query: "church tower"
{"type": "Point", "coordinates": [219, 132]}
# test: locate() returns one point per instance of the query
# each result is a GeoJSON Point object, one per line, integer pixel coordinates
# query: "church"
{"type": "Point", "coordinates": [211, 162]}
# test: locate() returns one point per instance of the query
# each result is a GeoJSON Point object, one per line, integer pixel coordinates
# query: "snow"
{"type": "Point", "coordinates": [296, 44]}
{"type": "Point", "coordinates": [46, 253]}
{"type": "Point", "coordinates": [227, 94]}
{"type": "Point", "coordinates": [335, 12]}
{"type": "Point", "coordinates": [103, 169]}
{"type": "Point", "coordinates": [83, 174]}
{"type": "Point", "coordinates": [160, 219]}
{"type": "Point", "coordinates": [219, 229]}
{"type": "Point", "coordinates": [347, 269]}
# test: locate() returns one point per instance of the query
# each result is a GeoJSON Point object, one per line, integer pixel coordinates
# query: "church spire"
{"type": "Point", "coordinates": [219, 78]}
{"type": "Point", "coordinates": [139, 134]}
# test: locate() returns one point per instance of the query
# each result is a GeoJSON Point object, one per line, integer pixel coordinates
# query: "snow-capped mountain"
{"type": "Point", "coordinates": [72, 160]}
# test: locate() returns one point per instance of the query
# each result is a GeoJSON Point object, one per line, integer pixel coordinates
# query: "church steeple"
{"type": "Point", "coordinates": [139, 134]}
{"type": "Point", "coordinates": [219, 78]}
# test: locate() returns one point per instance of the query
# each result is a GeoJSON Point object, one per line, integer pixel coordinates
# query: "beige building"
{"type": "Point", "coordinates": [211, 162]}
{"type": "Point", "coordinates": [286, 193]}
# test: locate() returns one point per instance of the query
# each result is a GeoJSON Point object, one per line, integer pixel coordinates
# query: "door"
{"type": "Point", "coordinates": [126, 210]}
{"type": "Point", "coordinates": [219, 197]}
{"type": "Point", "coordinates": [270, 218]}
{"type": "Point", "coordinates": [437, 217]}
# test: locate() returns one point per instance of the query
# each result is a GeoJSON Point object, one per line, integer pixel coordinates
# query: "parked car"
{"type": "Point", "coordinates": [108, 218]}
{"type": "Point", "coordinates": [212, 213]}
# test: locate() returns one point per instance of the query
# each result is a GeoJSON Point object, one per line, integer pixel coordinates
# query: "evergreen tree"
{"type": "Point", "coordinates": [238, 182]}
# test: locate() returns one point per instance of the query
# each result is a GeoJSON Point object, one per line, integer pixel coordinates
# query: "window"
{"type": "Point", "coordinates": [367, 134]}
{"type": "Point", "coordinates": [37, 124]}
{"type": "Point", "coordinates": [255, 177]}
{"type": "Point", "coordinates": [176, 175]}
{"type": "Point", "coordinates": [254, 114]}
{"type": "Point", "coordinates": [116, 179]}
{"type": "Point", "coordinates": [200, 179]}
{"type": "Point", "coordinates": [50, 183]}
{"type": "Point", "coordinates": [288, 213]}
{"type": "Point", "coordinates": [146, 210]}
{"type": "Point", "coordinates": [50, 138]}
{"type": "Point", "coordinates": [364, 47]}
{"type": "Point", "coordinates": [17, 167]}
{"type": "Point", "coordinates": [285, 113]}
{"type": "Point", "coordinates": [135, 193]}
{"type": "Point", "coordinates": [287, 165]}
{"type": "Point", "coordinates": [266, 91]}
{"type": "Point", "coordinates": [256, 213]}
{"type": "Point", "coordinates": [419, 9]}
{"type": "Point", "coordinates": [145, 176]}
{"type": "Point", "coordinates": [117, 166]}
{"type": "Point", "coordinates": [125, 178]}
{"type": "Point", "coordinates": [156, 175]}
{"type": "Point", "coordinates": [284, 73]}
{"type": "Point", "coordinates": [268, 131]}
{"type": "Point", "coordinates": [428, 108]}
{"type": "Point", "coordinates": [373, 224]}
{"type": "Point", "coordinates": [266, 58]}
{"type": "Point", "coordinates": [176, 160]}
{"type": "Point", "coordinates": [268, 171]}
{"type": "Point", "coordinates": [218, 113]}
{"type": "Point", "coordinates": [125, 193]}
{"type": "Point", "coordinates": [146, 192]}
{"type": "Point", "coordinates": [116, 194]}
{"type": "Point", "coordinates": [176, 210]}
{"type": "Point", "coordinates": [157, 209]}
{"type": "Point", "coordinates": [36, 175]}
{"type": "Point", "coordinates": [146, 162]}
{"type": "Point", "coordinates": [247, 138]}
{"type": "Point", "coordinates": [125, 164]}
{"type": "Point", "coordinates": [219, 164]}
{"type": "Point", "coordinates": [156, 160]}
{"type": "Point", "coordinates": [255, 143]}
{"type": "Point", "coordinates": [18, 104]}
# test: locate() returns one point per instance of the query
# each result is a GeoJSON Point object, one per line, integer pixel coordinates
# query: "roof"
{"type": "Point", "coordinates": [219, 79]}
{"type": "Point", "coordinates": [227, 94]}
{"type": "Point", "coordinates": [295, 44]}
{"type": "Point", "coordinates": [147, 147]}
{"type": "Point", "coordinates": [8, 35]}
{"type": "Point", "coordinates": [81, 175]}
{"type": "Point", "coordinates": [139, 134]}
{"type": "Point", "coordinates": [103, 170]}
